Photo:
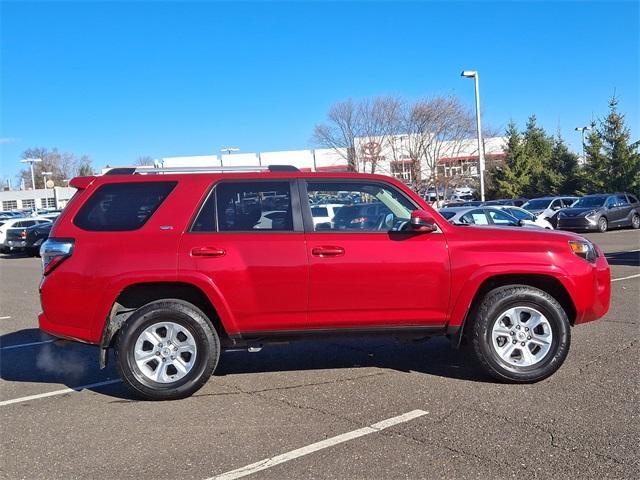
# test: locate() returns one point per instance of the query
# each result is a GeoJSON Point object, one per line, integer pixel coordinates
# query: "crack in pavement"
{"type": "Point", "coordinates": [552, 437]}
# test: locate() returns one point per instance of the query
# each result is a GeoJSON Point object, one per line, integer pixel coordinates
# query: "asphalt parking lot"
{"type": "Point", "coordinates": [342, 409]}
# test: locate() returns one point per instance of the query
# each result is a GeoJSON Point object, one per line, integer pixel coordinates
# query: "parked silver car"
{"type": "Point", "coordinates": [482, 216]}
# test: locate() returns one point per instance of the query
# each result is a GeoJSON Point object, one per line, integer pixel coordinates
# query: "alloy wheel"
{"type": "Point", "coordinates": [522, 336]}
{"type": "Point", "coordinates": [165, 352]}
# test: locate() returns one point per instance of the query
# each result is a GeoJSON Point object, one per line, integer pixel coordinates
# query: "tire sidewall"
{"type": "Point", "coordinates": [189, 317]}
{"type": "Point", "coordinates": [603, 224]}
{"type": "Point", "coordinates": [635, 221]}
{"type": "Point", "coordinates": [559, 345]}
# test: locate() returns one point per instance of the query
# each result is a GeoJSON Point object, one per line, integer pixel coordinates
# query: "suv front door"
{"type": "Point", "coordinates": [248, 240]}
{"type": "Point", "coordinates": [366, 270]}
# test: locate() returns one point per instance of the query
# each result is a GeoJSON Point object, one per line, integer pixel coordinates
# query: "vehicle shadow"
{"type": "Point", "coordinates": [75, 365]}
{"type": "Point", "coordinates": [432, 357]}
{"type": "Point", "coordinates": [623, 258]}
{"type": "Point", "coordinates": [31, 356]}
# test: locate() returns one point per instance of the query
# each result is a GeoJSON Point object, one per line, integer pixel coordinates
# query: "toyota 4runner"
{"type": "Point", "coordinates": [170, 268]}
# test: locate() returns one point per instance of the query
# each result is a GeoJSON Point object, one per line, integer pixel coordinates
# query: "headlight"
{"type": "Point", "coordinates": [590, 213]}
{"type": "Point", "coordinates": [584, 249]}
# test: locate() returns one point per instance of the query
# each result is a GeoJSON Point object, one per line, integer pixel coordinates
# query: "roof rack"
{"type": "Point", "coordinates": [147, 170]}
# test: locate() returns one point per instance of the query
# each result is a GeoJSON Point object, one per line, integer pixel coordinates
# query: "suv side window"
{"type": "Point", "coordinates": [632, 199]}
{"type": "Point", "coordinates": [366, 206]}
{"type": "Point", "coordinates": [247, 207]}
{"type": "Point", "coordinates": [118, 207]}
{"type": "Point", "coordinates": [611, 202]}
{"type": "Point", "coordinates": [621, 200]}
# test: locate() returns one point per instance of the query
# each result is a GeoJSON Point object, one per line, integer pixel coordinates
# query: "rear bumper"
{"type": "Point", "coordinates": [62, 331]}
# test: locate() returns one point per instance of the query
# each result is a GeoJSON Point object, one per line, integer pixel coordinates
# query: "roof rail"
{"type": "Point", "coordinates": [146, 170]}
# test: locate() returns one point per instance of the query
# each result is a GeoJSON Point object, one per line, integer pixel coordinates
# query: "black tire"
{"type": "Point", "coordinates": [500, 300]}
{"type": "Point", "coordinates": [635, 221]}
{"type": "Point", "coordinates": [190, 318]}
{"type": "Point", "coordinates": [603, 224]}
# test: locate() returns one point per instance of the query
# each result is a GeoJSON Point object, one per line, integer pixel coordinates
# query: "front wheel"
{"type": "Point", "coordinates": [603, 224]}
{"type": "Point", "coordinates": [521, 334]}
{"type": "Point", "coordinates": [166, 350]}
{"type": "Point", "coordinates": [635, 221]}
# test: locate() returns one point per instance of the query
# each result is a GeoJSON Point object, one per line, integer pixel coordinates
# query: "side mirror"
{"type": "Point", "coordinates": [422, 222]}
{"type": "Point", "coordinates": [555, 208]}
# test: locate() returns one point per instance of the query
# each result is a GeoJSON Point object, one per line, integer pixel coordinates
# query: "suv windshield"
{"type": "Point", "coordinates": [537, 204]}
{"type": "Point", "coordinates": [587, 202]}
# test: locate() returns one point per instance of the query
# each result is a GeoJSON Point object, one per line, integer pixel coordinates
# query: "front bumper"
{"type": "Point", "coordinates": [594, 292]}
{"type": "Point", "coordinates": [576, 223]}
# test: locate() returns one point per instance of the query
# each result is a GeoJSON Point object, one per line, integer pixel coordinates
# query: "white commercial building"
{"type": "Point", "coordinates": [388, 156]}
{"type": "Point", "coordinates": [56, 197]}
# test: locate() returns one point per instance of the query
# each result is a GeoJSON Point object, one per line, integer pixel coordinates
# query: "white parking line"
{"type": "Point", "coordinates": [5, 318]}
{"type": "Point", "coordinates": [57, 392]}
{"type": "Point", "coordinates": [20, 345]}
{"type": "Point", "coordinates": [625, 278]}
{"type": "Point", "coordinates": [314, 447]}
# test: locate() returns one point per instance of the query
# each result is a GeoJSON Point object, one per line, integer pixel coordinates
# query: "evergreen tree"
{"type": "Point", "coordinates": [538, 150]}
{"type": "Point", "coordinates": [565, 179]}
{"type": "Point", "coordinates": [513, 178]}
{"type": "Point", "coordinates": [594, 175]}
{"type": "Point", "coordinates": [622, 168]}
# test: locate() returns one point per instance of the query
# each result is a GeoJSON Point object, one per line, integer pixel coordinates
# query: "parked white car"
{"type": "Point", "coordinates": [525, 217]}
{"type": "Point", "coordinates": [546, 207]}
{"type": "Point", "coordinates": [324, 213]}
{"type": "Point", "coordinates": [22, 222]}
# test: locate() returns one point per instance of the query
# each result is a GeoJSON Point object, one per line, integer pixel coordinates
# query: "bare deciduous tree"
{"type": "Point", "coordinates": [340, 131]}
{"type": "Point", "coordinates": [62, 165]}
{"type": "Point", "coordinates": [436, 128]}
{"type": "Point", "coordinates": [358, 131]}
{"type": "Point", "coordinates": [144, 161]}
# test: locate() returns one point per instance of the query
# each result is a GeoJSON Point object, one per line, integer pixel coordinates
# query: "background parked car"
{"type": "Point", "coordinates": [482, 216]}
{"type": "Point", "coordinates": [324, 214]}
{"type": "Point", "coordinates": [525, 216]}
{"type": "Point", "coordinates": [362, 216]}
{"type": "Point", "coordinates": [601, 212]}
{"type": "Point", "coordinates": [546, 207]}
{"type": "Point", "coordinates": [28, 240]}
{"type": "Point", "coordinates": [19, 224]}
{"type": "Point", "coordinates": [516, 202]}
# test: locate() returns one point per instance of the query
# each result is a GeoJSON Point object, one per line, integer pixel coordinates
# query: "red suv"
{"type": "Point", "coordinates": [169, 269]}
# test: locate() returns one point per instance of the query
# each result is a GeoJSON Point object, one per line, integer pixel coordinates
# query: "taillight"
{"type": "Point", "coordinates": [53, 252]}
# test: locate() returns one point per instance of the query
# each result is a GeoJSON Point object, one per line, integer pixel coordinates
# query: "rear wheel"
{"type": "Point", "coordinates": [603, 224]}
{"type": "Point", "coordinates": [521, 334]}
{"type": "Point", "coordinates": [635, 221]}
{"type": "Point", "coordinates": [166, 350]}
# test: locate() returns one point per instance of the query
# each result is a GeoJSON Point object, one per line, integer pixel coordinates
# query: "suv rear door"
{"type": "Point", "coordinates": [367, 272]}
{"type": "Point", "coordinates": [248, 240]}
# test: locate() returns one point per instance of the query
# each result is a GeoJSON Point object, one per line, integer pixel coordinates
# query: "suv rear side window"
{"type": "Point", "coordinates": [118, 207]}
{"type": "Point", "coordinates": [247, 206]}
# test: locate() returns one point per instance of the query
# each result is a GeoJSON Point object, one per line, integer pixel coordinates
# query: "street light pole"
{"type": "Point", "coordinates": [31, 161]}
{"type": "Point", "coordinates": [582, 130]}
{"type": "Point", "coordinates": [44, 184]}
{"type": "Point", "coordinates": [473, 74]}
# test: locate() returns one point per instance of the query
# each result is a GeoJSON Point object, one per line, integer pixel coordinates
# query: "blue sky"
{"type": "Point", "coordinates": [117, 80]}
